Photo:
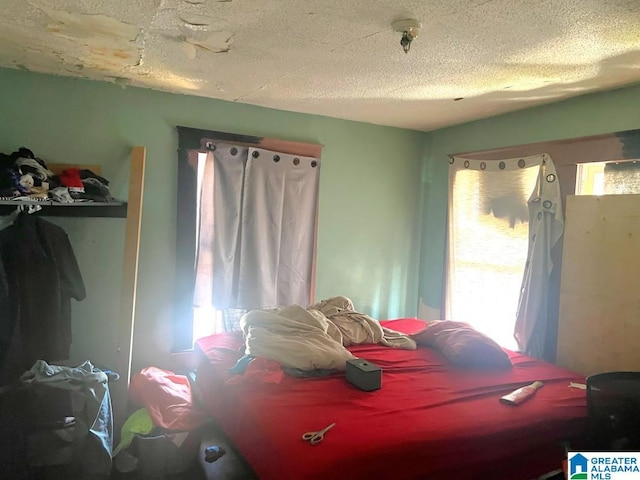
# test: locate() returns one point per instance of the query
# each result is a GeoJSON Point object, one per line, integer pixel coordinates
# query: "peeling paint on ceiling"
{"type": "Point", "coordinates": [103, 42]}
{"type": "Point", "coordinates": [341, 58]}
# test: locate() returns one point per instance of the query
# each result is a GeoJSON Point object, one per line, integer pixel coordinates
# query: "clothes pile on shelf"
{"type": "Point", "coordinates": [25, 176]}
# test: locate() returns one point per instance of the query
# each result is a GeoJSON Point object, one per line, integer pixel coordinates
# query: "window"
{"type": "Point", "coordinates": [246, 230]}
{"type": "Point", "coordinates": [595, 165]}
{"type": "Point", "coordinates": [489, 230]}
{"type": "Point", "coordinates": [608, 178]}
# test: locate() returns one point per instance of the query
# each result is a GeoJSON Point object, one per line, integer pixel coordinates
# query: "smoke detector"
{"type": "Point", "coordinates": [410, 29]}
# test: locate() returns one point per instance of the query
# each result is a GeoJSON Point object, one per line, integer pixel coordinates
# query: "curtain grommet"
{"type": "Point", "coordinates": [255, 154]}
{"type": "Point", "coordinates": [276, 158]}
{"type": "Point", "coordinates": [296, 161]}
{"type": "Point", "coordinates": [233, 151]}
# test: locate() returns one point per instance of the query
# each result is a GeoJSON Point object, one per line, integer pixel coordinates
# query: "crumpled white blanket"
{"type": "Point", "coordinates": [315, 338]}
{"type": "Point", "coordinates": [358, 328]}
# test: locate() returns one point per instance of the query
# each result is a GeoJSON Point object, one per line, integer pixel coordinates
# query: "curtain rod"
{"type": "Point", "coordinates": [542, 147]}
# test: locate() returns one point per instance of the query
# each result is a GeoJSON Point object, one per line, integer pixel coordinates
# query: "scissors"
{"type": "Point", "coordinates": [315, 438]}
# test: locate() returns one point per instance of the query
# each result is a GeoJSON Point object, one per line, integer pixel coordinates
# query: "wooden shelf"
{"type": "Point", "coordinates": [77, 209]}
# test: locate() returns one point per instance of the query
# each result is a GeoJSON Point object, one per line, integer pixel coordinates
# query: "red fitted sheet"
{"type": "Point", "coordinates": [430, 420]}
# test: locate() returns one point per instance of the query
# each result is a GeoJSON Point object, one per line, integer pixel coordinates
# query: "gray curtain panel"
{"type": "Point", "coordinates": [262, 206]}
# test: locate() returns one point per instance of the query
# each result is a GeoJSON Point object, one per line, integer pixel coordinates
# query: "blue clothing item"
{"type": "Point", "coordinates": [241, 365]}
{"type": "Point", "coordinates": [213, 453]}
{"type": "Point", "coordinates": [91, 407]}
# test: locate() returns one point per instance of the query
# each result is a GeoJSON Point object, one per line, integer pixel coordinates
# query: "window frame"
{"type": "Point", "coordinates": [192, 141]}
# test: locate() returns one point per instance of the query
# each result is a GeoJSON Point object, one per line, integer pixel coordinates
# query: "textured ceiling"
{"type": "Point", "coordinates": [339, 58]}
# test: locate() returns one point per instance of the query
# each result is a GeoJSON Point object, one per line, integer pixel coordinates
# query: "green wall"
{"type": "Point", "coordinates": [593, 114]}
{"type": "Point", "coordinates": [375, 213]}
{"type": "Point", "coordinates": [369, 197]}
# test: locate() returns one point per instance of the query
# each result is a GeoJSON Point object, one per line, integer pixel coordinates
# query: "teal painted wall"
{"type": "Point", "coordinates": [369, 227]}
{"type": "Point", "coordinates": [593, 114]}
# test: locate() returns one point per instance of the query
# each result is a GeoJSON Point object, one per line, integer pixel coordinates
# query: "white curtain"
{"type": "Point", "coordinates": [494, 278]}
{"type": "Point", "coordinates": [546, 226]}
{"type": "Point", "coordinates": [256, 228]}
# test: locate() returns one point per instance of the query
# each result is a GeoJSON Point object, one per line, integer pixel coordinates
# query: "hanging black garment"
{"type": "Point", "coordinates": [40, 275]}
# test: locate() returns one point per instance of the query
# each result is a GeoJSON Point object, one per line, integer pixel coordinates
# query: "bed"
{"type": "Point", "coordinates": [430, 420]}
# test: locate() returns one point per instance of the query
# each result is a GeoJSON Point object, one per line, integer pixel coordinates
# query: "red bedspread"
{"type": "Point", "coordinates": [430, 420]}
